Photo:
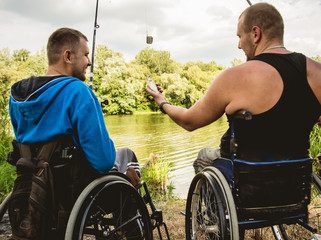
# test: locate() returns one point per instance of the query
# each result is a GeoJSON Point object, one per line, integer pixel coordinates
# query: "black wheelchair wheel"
{"type": "Point", "coordinates": [209, 212]}
{"type": "Point", "coordinates": [109, 208]}
{"type": "Point", "coordinates": [284, 232]}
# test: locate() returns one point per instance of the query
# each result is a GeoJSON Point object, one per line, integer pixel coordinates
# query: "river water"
{"type": "Point", "coordinates": [158, 134]}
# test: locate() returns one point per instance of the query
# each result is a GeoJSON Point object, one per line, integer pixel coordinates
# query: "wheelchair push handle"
{"type": "Point", "coordinates": [243, 114]}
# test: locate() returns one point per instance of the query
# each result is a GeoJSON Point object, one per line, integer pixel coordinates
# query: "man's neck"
{"type": "Point", "coordinates": [52, 70]}
{"type": "Point", "coordinates": [271, 47]}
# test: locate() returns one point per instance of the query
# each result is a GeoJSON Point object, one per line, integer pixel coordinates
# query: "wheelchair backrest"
{"type": "Point", "coordinates": [272, 189]}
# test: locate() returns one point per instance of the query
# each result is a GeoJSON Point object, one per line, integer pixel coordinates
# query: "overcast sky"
{"type": "Point", "coordinates": [190, 30]}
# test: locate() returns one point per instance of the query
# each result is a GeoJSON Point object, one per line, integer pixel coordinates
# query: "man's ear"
{"type": "Point", "coordinates": [67, 56]}
{"type": "Point", "coordinates": [257, 34]}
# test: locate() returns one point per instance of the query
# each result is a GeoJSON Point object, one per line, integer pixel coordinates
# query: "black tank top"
{"type": "Point", "coordinates": [283, 131]}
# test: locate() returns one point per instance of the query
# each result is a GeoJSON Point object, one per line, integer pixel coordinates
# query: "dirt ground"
{"type": "Point", "coordinates": [175, 221]}
{"type": "Point", "coordinates": [173, 216]}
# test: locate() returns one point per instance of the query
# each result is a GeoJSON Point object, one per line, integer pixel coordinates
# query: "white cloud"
{"type": "Point", "coordinates": [189, 29]}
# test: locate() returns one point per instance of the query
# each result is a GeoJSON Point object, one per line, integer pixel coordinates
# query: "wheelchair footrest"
{"type": "Point", "coordinates": [307, 226]}
{"type": "Point", "coordinates": [157, 215]}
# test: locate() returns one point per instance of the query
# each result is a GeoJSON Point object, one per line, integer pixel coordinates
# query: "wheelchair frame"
{"type": "Point", "coordinates": [213, 209]}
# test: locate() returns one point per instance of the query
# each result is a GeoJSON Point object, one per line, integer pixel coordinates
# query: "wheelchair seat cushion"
{"type": "Point", "coordinates": [226, 168]}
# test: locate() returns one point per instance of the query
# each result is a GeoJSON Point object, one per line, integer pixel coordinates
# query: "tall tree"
{"type": "Point", "coordinates": [157, 62]}
{"type": "Point", "coordinates": [21, 55]}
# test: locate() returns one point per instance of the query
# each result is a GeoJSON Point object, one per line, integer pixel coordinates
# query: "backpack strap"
{"type": "Point", "coordinates": [24, 164]}
{"type": "Point", "coordinates": [46, 151]}
{"type": "Point", "coordinates": [29, 163]}
{"type": "Point", "coordinates": [25, 151]}
{"type": "Point", "coordinates": [43, 161]}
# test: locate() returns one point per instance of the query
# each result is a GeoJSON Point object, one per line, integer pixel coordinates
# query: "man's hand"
{"type": "Point", "coordinates": [133, 176]}
{"type": "Point", "coordinates": [158, 97]}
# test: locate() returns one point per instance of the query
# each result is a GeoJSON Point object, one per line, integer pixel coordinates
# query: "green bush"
{"type": "Point", "coordinates": [315, 147]}
{"type": "Point", "coordinates": [315, 141]}
{"type": "Point", "coordinates": [155, 174]}
{"type": "Point", "coordinates": [7, 172]}
{"type": "Point", "coordinates": [7, 177]}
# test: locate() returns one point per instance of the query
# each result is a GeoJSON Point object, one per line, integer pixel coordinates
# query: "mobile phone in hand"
{"type": "Point", "coordinates": [152, 85]}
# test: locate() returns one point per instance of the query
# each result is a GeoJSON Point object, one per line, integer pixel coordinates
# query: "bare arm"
{"type": "Point", "coordinates": [314, 77]}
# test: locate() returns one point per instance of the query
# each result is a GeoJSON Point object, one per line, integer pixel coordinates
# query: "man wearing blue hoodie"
{"type": "Point", "coordinates": [44, 108]}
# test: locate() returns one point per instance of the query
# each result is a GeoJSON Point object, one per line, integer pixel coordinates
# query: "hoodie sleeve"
{"type": "Point", "coordinates": [90, 130]}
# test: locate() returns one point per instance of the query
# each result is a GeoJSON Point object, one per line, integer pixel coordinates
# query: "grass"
{"type": "Point", "coordinates": [173, 217]}
{"type": "Point", "coordinates": [175, 222]}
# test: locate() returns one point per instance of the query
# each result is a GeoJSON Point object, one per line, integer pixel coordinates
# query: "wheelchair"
{"type": "Point", "coordinates": [110, 207]}
{"type": "Point", "coordinates": [261, 194]}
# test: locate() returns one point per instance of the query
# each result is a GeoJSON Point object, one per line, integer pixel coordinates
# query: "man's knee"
{"type": "Point", "coordinates": [126, 158]}
{"type": "Point", "coordinates": [205, 158]}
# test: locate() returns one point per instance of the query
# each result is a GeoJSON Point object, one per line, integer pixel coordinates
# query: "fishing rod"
{"type": "Point", "coordinates": [249, 2]}
{"type": "Point", "coordinates": [93, 49]}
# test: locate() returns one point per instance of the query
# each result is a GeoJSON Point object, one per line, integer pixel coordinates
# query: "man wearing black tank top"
{"type": "Point", "coordinates": [281, 88]}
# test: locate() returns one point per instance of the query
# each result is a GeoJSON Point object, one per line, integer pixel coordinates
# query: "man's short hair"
{"type": "Point", "coordinates": [266, 17]}
{"type": "Point", "coordinates": [60, 40]}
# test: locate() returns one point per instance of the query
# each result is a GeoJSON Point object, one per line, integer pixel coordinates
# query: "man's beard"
{"type": "Point", "coordinates": [252, 55]}
{"type": "Point", "coordinates": [80, 75]}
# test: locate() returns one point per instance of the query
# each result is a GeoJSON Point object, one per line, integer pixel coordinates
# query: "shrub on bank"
{"type": "Point", "coordinates": [315, 147]}
{"type": "Point", "coordinates": [155, 174]}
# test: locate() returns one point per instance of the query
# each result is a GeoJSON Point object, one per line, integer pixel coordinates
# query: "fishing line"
{"type": "Point", "coordinates": [96, 26]}
{"type": "Point", "coordinates": [149, 39]}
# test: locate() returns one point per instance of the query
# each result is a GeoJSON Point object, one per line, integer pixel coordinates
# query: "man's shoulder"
{"type": "Point", "coordinates": [243, 70]}
{"type": "Point", "coordinates": [245, 76]}
{"type": "Point", "coordinates": [251, 67]}
{"type": "Point", "coordinates": [73, 83]}
{"type": "Point", "coordinates": [72, 87]}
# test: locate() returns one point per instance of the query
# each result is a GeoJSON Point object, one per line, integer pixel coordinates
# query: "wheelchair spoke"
{"type": "Point", "coordinates": [208, 210]}
{"type": "Point", "coordinates": [207, 225]}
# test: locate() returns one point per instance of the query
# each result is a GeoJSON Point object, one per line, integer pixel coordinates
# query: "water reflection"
{"type": "Point", "coordinates": [158, 134]}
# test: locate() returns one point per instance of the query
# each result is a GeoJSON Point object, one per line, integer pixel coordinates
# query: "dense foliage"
{"type": "Point", "coordinates": [123, 84]}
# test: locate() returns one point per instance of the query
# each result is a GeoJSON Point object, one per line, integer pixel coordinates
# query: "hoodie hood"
{"type": "Point", "coordinates": [32, 96]}
{"type": "Point", "coordinates": [22, 90]}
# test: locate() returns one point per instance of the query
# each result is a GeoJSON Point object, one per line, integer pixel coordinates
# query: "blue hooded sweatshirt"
{"type": "Point", "coordinates": [48, 107]}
